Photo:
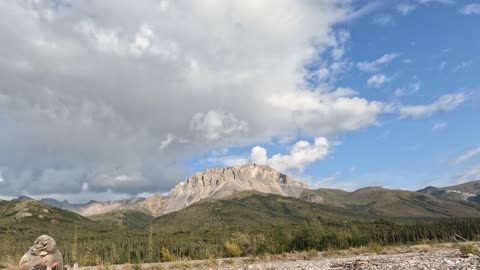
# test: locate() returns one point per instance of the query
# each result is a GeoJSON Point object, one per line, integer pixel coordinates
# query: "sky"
{"type": "Point", "coordinates": [110, 99]}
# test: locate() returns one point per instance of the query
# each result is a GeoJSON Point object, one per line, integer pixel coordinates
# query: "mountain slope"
{"type": "Point", "coordinates": [247, 209]}
{"type": "Point", "coordinates": [22, 213]}
{"type": "Point", "coordinates": [127, 219]}
{"type": "Point", "coordinates": [469, 191]}
{"type": "Point", "coordinates": [392, 203]}
{"type": "Point", "coordinates": [93, 207]}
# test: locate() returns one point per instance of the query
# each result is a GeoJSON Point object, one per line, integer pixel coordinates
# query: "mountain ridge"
{"type": "Point", "coordinates": [220, 183]}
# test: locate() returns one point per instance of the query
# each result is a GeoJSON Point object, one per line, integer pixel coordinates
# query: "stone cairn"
{"type": "Point", "coordinates": [43, 255]}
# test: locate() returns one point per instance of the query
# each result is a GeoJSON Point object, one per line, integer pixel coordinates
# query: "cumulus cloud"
{"type": "Point", "coordinates": [444, 103]}
{"type": "Point", "coordinates": [375, 65]}
{"type": "Point", "coordinates": [301, 155]}
{"type": "Point", "coordinates": [92, 98]}
{"type": "Point", "coordinates": [469, 9]}
{"type": "Point", "coordinates": [378, 80]}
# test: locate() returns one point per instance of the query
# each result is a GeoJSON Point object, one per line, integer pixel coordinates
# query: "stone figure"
{"type": "Point", "coordinates": [43, 255]}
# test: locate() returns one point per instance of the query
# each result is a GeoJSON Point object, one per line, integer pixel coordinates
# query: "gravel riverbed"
{"type": "Point", "coordinates": [432, 259]}
{"type": "Point", "coordinates": [445, 259]}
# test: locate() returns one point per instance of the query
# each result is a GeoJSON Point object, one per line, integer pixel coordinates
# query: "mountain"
{"type": "Point", "coordinates": [126, 219]}
{"type": "Point", "coordinates": [211, 183]}
{"type": "Point", "coordinates": [220, 183]}
{"type": "Point", "coordinates": [94, 207]}
{"type": "Point", "coordinates": [469, 191]}
{"type": "Point", "coordinates": [381, 202]}
{"type": "Point", "coordinates": [224, 182]}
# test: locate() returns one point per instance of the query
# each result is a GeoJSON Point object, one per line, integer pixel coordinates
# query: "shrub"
{"type": "Point", "coordinates": [375, 247]}
{"type": "Point", "coordinates": [232, 249]}
{"type": "Point", "coordinates": [166, 256]}
{"type": "Point", "coordinates": [467, 249]}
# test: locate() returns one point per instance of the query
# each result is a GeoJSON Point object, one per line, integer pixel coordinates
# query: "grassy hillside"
{"type": "Point", "coordinates": [80, 239]}
{"type": "Point", "coordinates": [380, 202]}
{"type": "Point", "coordinates": [246, 210]}
{"type": "Point", "coordinates": [126, 219]}
{"type": "Point", "coordinates": [469, 187]}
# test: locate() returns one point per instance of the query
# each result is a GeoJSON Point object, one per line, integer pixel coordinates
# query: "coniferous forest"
{"type": "Point", "coordinates": [104, 246]}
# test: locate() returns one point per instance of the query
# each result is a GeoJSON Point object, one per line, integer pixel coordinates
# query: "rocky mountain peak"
{"type": "Point", "coordinates": [223, 182]}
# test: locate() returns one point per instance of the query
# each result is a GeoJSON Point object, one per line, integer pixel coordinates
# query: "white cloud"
{"type": "Point", "coordinates": [302, 154]}
{"type": "Point", "coordinates": [378, 80]}
{"type": "Point", "coordinates": [258, 155]}
{"type": "Point", "coordinates": [443, 2]}
{"type": "Point", "coordinates": [102, 39]}
{"type": "Point", "coordinates": [463, 65]}
{"type": "Point", "coordinates": [214, 124]}
{"type": "Point", "coordinates": [405, 8]}
{"type": "Point", "coordinates": [84, 186]}
{"type": "Point", "coordinates": [411, 89]}
{"type": "Point", "coordinates": [469, 9]}
{"type": "Point", "coordinates": [170, 138]}
{"type": "Point", "coordinates": [327, 113]}
{"type": "Point", "coordinates": [439, 126]}
{"type": "Point", "coordinates": [382, 20]}
{"type": "Point", "coordinates": [103, 93]}
{"type": "Point", "coordinates": [444, 103]}
{"type": "Point", "coordinates": [468, 155]}
{"type": "Point", "coordinates": [375, 65]}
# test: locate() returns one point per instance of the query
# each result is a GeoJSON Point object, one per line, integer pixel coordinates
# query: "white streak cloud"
{"type": "Point", "coordinates": [444, 103]}
{"type": "Point", "coordinates": [468, 155]}
{"type": "Point", "coordinates": [375, 65]}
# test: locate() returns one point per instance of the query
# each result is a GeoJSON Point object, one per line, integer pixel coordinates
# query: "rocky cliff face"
{"type": "Point", "coordinates": [220, 183]}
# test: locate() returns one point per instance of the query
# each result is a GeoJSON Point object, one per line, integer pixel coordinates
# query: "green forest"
{"type": "Point", "coordinates": [105, 247]}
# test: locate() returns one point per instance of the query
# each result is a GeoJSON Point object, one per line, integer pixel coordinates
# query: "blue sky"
{"type": "Point", "coordinates": [340, 94]}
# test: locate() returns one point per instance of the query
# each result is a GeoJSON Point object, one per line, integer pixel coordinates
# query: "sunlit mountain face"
{"type": "Point", "coordinates": [109, 100]}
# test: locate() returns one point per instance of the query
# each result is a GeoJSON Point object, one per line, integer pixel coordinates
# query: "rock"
{"type": "Point", "coordinates": [43, 255]}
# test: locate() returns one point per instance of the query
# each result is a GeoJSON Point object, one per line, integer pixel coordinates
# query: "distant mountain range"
{"type": "Point", "coordinates": [253, 184]}
{"type": "Point", "coordinates": [212, 183]}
